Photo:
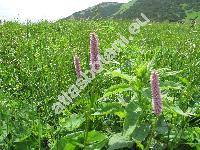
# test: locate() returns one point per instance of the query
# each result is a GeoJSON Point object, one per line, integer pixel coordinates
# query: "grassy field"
{"type": "Point", "coordinates": [37, 65]}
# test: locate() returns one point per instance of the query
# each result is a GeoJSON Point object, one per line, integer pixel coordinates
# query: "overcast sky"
{"type": "Point", "coordinates": [44, 9]}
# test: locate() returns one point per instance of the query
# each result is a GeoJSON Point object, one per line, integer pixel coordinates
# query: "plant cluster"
{"type": "Point", "coordinates": [38, 62]}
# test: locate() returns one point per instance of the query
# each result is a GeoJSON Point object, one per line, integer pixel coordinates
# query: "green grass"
{"type": "Point", "coordinates": [37, 64]}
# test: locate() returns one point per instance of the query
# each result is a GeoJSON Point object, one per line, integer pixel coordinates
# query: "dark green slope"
{"type": "Point", "coordinates": [103, 10]}
{"type": "Point", "coordinates": [155, 10]}
{"type": "Point", "coordinates": [160, 10]}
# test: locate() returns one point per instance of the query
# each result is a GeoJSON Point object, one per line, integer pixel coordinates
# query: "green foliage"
{"type": "Point", "coordinates": [114, 111]}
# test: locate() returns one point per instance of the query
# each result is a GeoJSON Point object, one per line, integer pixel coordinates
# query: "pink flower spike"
{"type": "Point", "coordinates": [94, 52]}
{"type": "Point", "coordinates": [156, 94]}
{"type": "Point", "coordinates": [77, 66]}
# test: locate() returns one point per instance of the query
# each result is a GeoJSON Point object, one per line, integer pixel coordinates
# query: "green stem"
{"type": "Point", "coordinates": [89, 105]}
{"type": "Point", "coordinates": [151, 134]}
{"type": "Point", "coordinates": [7, 132]}
{"type": "Point", "coordinates": [86, 120]}
{"type": "Point", "coordinates": [39, 139]}
{"type": "Point", "coordinates": [86, 129]}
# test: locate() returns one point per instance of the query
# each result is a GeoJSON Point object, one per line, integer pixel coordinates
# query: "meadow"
{"type": "Point", "coordinates": [115, 110]}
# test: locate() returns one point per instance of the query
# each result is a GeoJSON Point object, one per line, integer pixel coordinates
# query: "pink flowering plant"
{"type": "Point", "coordinates": [156, 94]}
{"type": "Point", "coordinates": [140, 102]}
{"type": "Point", "coordinates": [77, 66]}
{"type": "Point", "coordinates": [134, 89]}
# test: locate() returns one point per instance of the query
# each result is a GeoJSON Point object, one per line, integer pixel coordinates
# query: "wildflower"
{"type": "Point", "coordinates": [77, 66]}
{"type": "Point", "coordinates": [156, 95]}
{"type": "Point", "coordinates": [94, 52]}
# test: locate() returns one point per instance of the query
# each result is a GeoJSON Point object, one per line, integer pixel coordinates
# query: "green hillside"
{"type": "Point", "coordinates": [157, 10]}
{"type": "Point", "coordinates": [160, 10]}
{"type": "Point", "coordinates": [103, 10]}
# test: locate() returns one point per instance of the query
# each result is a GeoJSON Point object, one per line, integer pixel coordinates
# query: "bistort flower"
{"type": "Point", "coordinates": [156, 94]}
{"type": "Point", "coordinates": [94, 52]}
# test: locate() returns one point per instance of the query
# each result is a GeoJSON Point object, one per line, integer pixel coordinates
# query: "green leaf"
{"type": "Point", "coordinates": [25, 145]}
{"type": "Point", "coordinates": [70, 141]}
{"type": "Point", "coordinates": [179, 111]}
{"type": "Point", "coordinates": [97, 140]}
{"type": "Point", "coordinates": [184, 80]}
{"type": "Point", "coordinates": [141, 132]}
{"type": "Point", "coordinates": [131, 118]}
{"type": "Point", "coordinates": [146, 92]}
{"type": "Point", "coordinates": [164, 72]}
{"type": "Point", "coordinates": [117, 73]}
{"type": "Point", "coordinates": [73, 122]}
{"type": "Point", "coordinates": [131, 107]}
{"type": "Point", "coordinates": [95, 136]}
{"type": "Point", "coordinates": [117, 89]}
{"type": "Point", "coordinates": [66, 143]}
{"type": "Point", "coordinates": [118, 141]}
{"type": "Point", "coordinates": [3, 131]}
{"type": "Point", "coordinates": [141, 70]}
{"type": "Point", "coordinates": [171, 85]}
{"type": "Point", "coordinates": [97, 146]}
{"type": "Point", "coordinates": [69, 146]}
{"type": "Point", "coordinates": [111, 108]}
{"type": "Point", "coordinates": [162, 127]}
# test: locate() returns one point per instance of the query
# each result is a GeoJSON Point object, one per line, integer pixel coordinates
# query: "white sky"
{"type": "Point", "coordinates": [44, 9]}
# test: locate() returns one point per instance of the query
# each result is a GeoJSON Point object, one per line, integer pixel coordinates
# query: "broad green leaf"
{"type": "Point", "coordinates": [117, 89]}
{"type": "Point", "coordinates": [25, 145]}
{"type": "Point", "coordinates": [131, 107]}
{"type": "Point", "coordinates": [111, 108]}
{"type": "Point", "coordinates": [69, 146]}
{"type": "Point", "coordinates": [179, 111]}
{"type": "Point", "coordinates": [66, 143]}
{"type": "Point", "coordinates": [131, 118]}
{"type": "Point", "coordinates": [118, 141]}
{"type": "Point", "coordinates": [73, 122]}
{"type": "Point", "coordinates": [117, 73]}
{"type": "Point", "coordinates": [146, 92]}
{"type": "Point", "coordinates": [95, 136]}
{"type": "Point", "coordinates": [162, 127]}
{"type": "Point", "coordinates": [96, 140]}
{"type": "Point", "coordinates": [28, 143]}
{"type": "Point", "coordinates": [75, 134]}
{"type": "Point", "coordinates": [97, 146]}
{"type": "Point", "coordinates": [128, 130]}
{"type": "Point", "coordinates": [3, 132]}
{"type": "Point", "coordinates": [141, 132]}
